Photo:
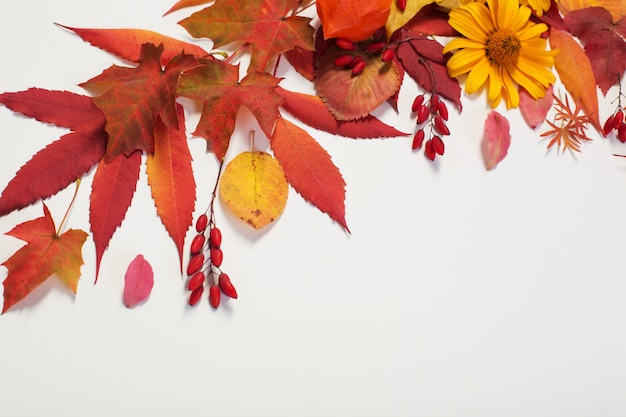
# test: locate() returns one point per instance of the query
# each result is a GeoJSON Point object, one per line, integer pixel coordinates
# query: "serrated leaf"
{"type": "Point", "coordinates": [312, 111]}
{"type": "Point", "coordinates": [217, 86]}
{"type": "Point", "coordinates": [112, 191]}
{"type": "Point", "coordinates": [352, 19]}
{"type": "Point", "coordinates": [310, 170]}
{"type": "Point", "coordinates": [171, 181]}
{"type": "Point", "coordinates": [497, 139]}
{"type": "Point", "coordinates": [533, 110]}
{"type": "Point", "coordinates": [351, 96]}
{"type": "Point", "coordinates": [254, 188]}
{"type": "Point", "coordinates": [266, 24]}
{"type": "Point", "coordinates": [138, 282]}
{"type": "Point", "coordinates": [63, 161]}
{"type": "Point", "coordinates": [45, 254]}
{"type": "Point", "coordinates": [127, 43]}
{"type": "Point", "coordinates": [576, 73]}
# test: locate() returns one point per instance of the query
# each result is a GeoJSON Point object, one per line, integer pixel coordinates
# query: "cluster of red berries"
{"type": "Point", "coordinates": [354, 58]}
{"type": "Point", "coordinates": [435, 115]}
{"type": "Point", "coordinates": [616, 122]}
{"type": "Point", "coordinates": [203, 268]}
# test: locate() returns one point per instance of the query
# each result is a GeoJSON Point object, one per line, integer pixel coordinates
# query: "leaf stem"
{"type": "Point", "coordinates": [69, 208]}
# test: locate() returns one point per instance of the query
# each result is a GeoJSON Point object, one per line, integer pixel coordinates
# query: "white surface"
{"type": "Point", "coordinates": [460, 292]}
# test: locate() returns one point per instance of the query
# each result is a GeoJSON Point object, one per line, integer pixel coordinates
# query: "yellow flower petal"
{"type": "Point", "coordinates": [463, 61]}
{"type": "Point", "coordinates": [477, 76]}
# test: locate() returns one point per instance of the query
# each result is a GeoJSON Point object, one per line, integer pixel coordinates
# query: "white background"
{"type": "Point", "coordinates": [460, 292]}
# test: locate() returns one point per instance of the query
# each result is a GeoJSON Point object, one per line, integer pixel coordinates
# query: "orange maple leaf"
{"type": "Point", "coordinates": [46, 253]}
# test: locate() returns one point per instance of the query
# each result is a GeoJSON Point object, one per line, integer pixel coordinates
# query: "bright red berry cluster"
{"type": "Point", "coordinates": [435, 115]}
{"type": "Point", "coordinates": [204, 265]}
{"type": "Point", "coordinates": [354, 58]}
{"type": "Point", "coordinates": [616, 122]}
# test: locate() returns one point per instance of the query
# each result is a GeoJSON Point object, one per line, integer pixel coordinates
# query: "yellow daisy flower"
{"type": "Point", "coordinates": [501, 49]}
{"type": "Point", "coordinates": [539, 6]}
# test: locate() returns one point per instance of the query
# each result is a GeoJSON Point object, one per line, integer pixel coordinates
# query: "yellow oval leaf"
{"type": "Point", "coordinates": [254, 188]}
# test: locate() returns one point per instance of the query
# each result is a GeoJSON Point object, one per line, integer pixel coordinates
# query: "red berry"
{"type": "Point", "coordinates": [195, 264]}
{"type": "Point", "coordinates": [608, 125]}
{"type": "Point", "coordinates": [417, 103]}
{"type": "Point", "coordinates": [429, 151]}
{"type": "Point", "coordinates": [359, 66]}
{"type": "Point", "coordinates": [442, 109]}
{"type": "Point", "coordinates": [226, 286]}
{"type": "Point", "coordinates": [195, 295]}
{"type": "Point", "coordinates": [422, 114]}
{"type": "Point", "coordinates": [201, 223]}
{"type": "Point", "coordinates": [418, 139]}
{"type": "Point", "coordinates": [387, 55]}
{"type": "Point", "coordinates": [344, 61]}
{"type": "Point", "coordinates": [440, 126]}
{"type": "Point", "coordinates": [214, 296]}
{"type": "Point", "coordinates": [215, 238]}
{"type": "Point", "coordinates": [216, 256]}
{"type": "Point", "coordinates": [196, 281]}
{"type": "Point", "coordinates": [375, 48]}
{"type": "Point", "coordinates": [345, 44]}
{"type": "Point", "coordinates": [621, 133]}
{"type": "Point", "coordinates": [197, 244]}
{"type": "Point", "coordinates": [619, 118]}
{"type": "Point", "coordinates": [434, 101]}
{"type": "Point", "coordinates": [438, 145]}
{"type": "Point", "coordinates": [401, 5]}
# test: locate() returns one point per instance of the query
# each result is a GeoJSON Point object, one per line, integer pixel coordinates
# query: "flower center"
{"type": "Point", "coordinates": [503, 47]}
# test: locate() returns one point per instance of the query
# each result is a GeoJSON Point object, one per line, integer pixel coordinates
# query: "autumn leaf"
{"type": "Point", "coordinates": [138, 282]}
{"type": "Point", "coordinates": [352, 19]}
{"type": "Point", "coordinates": [216, 84]}
{"type": "Point", "coordinates": [127, 43]}
{"type": "Point", "coordinates": [533, 110]}
{"type": "Point", "coordinates": [171, 181]}
{"type": "Point", "coordinates": [111, 194]}
{"type": "Point", "coordinates": [398, 18]}
{"type": "Point", "coordinates": [497, 139]}
{"type": "Point", "coordinates": [181, 4]}
{"type": "Point", "coordinates": [310, 170]}
{"type": "Point", "coordinates": [616, 7]}
{"type": "Point", "coordinates": [45, 254]}
{"type": "Point", "coordinates": [254, 188]}
{"type": "Point", "coordinates": [568, 128]}
{"type": "Point", "coordinates": [134, 97]}
{"type": "Point", "coordinates": [266, 24]}
{"type": "Point", "coordinates": [351, 96]}
{"type": "Point", "coordinates": [431, 20]}
{"type": "Point", "coordinates": [576, 73]}
{"type": "Point", "coordinates": [302, 61]}
{"type": "Point", "coordinates": [60, 163]}
{"type": "Point", "coordinates": [312, 111]}
{"type": "Point", "coordinates": [423, 60]}
{"type": "Point", "coordinates": [603, 43]}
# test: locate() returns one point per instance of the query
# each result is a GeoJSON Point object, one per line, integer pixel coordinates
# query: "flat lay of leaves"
{"type": "Point", "coordinates": [357, 57]}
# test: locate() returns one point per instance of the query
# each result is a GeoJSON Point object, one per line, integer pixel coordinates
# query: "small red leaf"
{"type": "Point", "coordinates": [497, 139]}
{"type": "Point", "coordinates": [138, 282]}
{"type": "Point", "coordinates": [534, 111]}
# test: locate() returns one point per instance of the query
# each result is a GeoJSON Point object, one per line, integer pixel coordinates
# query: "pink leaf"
{"type": "Point", "coordinates": [138, 282]}
{"type": "Point", "coordinates": [534, 111]}
{"type": "Point", "coordinates": [497, 139]}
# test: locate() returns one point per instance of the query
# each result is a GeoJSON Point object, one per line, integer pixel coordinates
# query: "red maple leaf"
{"type": "Point", "coordinates": [604, 43]}
{"type": "Point", "coordinates": [217, 85]}
{"type": "Point", "coordinates": [135, 97]}
{"type": "Point", "coordinates": [63, 161]}
{"type": "Point", "coordinates": [266, 24]}
{"type": "Point", "coordinates": [46, 253]}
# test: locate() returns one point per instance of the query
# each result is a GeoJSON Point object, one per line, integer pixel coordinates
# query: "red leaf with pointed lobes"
{"type": "Point", "coordinates": [127, 43]}
{"type": "Point", "coordinates": [534, 111]}
{"type": "Point", "coordinates": [312, 111]}
{"type": "Point", "coordinates": [135, 97]}
{"type": "Point", "coordinates": [63, 161]}
{"type": "Point", "coordinates": [138, 282]}
{"type": "Point", "coordinates": [171, 181]}
{"type": "Point", "coordinates": [604, 46]}
{"type": "Point", "coordinates": [266, 24]}
{"type": "Point", "coordinates": [112, 191]}
{"type": "Point", "coordinates": [497, 139]}
{"type": "Point", "coordinates": [217, 86]}
{"type": "Point", "coordinates": [309, 170]}
{"type": "Point", "coordinates": [45, 254]}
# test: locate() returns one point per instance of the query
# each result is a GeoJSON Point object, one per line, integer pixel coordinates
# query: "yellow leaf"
{"type": "Point", "coordinates": [398, 18]}
{"type": "Point", "coordinates": [616, 7]}
{"type": "Point", "coordinates": [254, 188]}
